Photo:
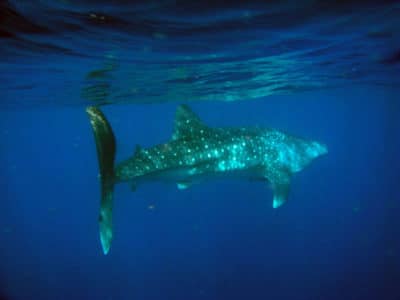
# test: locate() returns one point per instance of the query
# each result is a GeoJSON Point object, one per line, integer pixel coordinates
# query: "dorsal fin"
{"type": "Point", "coordinates": [187, 123]}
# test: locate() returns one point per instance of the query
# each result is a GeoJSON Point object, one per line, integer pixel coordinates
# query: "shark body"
{"type": "Point", "coordinates": [197, 151]}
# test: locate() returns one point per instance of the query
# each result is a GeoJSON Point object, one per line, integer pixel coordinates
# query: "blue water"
{"type": "Point", "coordinates": [337, 237]}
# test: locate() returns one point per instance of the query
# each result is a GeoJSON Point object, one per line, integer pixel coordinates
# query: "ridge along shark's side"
{"type": "Point", "coordinates": [197, 151]}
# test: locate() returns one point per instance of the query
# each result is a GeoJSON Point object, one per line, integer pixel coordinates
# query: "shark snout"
{"type": "Point", "coordinates": [306, 153]}
{"type": "Point", "coordinates": [317, 149]}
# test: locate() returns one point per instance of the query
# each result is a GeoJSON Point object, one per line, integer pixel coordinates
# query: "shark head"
{"type": "Point", "coordinates": [316, 149]}
{"type": "Point", "coordinates": [300, 153]}
{"type": "Point", "coordinates": [294, 155]}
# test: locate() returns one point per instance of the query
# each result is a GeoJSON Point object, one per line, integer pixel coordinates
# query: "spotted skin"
{"type": "Point", "coordinates": [197, 151]}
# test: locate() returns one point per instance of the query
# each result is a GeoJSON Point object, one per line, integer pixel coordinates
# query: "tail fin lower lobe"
{"type": "Point", "coordinates": [105, 144]}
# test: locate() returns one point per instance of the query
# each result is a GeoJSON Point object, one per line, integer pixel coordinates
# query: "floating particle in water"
{"type": "Point", "coordinates": [390, 252]}
{"type": "Point", "coordinates": [51, 209]}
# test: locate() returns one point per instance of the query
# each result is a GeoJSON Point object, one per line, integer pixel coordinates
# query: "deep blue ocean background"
{"type": "Point", "coordinates": [337, 237]}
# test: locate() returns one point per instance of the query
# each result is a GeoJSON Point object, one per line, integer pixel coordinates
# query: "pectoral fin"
{"type": "Point", "coordinates": [281, 192]}
{"type": "Point", "coordinates": [280, 183]}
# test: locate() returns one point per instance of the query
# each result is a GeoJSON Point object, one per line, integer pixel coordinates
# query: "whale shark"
{"type": "Point", "coordinates": [196, 152]}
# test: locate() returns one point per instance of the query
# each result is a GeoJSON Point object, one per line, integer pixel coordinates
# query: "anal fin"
{"type": "Point", "coordinates": [183, 185]}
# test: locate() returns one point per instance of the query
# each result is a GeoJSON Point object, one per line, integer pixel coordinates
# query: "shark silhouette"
{"type": "Point", "coordinates": [198, 151]}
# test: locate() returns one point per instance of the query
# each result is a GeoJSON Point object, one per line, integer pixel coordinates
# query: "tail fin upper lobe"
{"type": "Point", "coordinates": [105, 144]}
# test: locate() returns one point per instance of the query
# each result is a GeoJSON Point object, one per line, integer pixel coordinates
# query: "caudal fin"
{"type": "Point", "coordinates": [105, 144]}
